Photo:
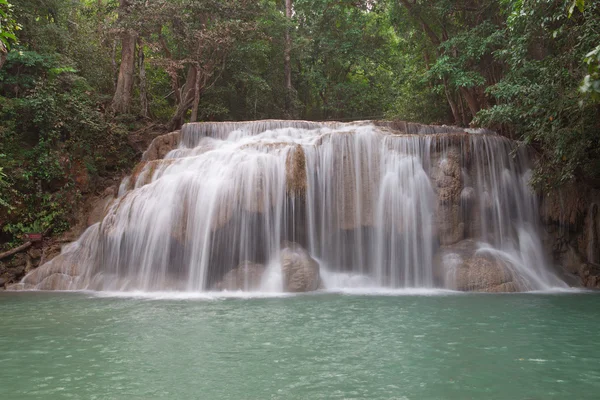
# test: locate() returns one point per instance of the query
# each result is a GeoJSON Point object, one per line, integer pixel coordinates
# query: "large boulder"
{"type": "Point", "coordinates": [300, 271]}
{"type": "Point", "coordinates": [461, 267]}
{"type": "Point", "coordinates": [247, 276]}
{"type": "Point", "coordinates": [589, 275]}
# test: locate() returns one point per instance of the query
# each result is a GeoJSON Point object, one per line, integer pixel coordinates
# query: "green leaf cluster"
{"type": "Point", "coordinates": [8, 25]}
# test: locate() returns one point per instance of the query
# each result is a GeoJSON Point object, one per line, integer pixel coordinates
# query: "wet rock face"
{"type": "Point", "coordinates": [94, 210]}
{"type": "Point", "coordinates": [247, 276]}
{"type": "Point", "coordinates": [100, 206]}
{"type": "Point", "coordinates": [483, 274]}
{"type": "Point", "coordinates": [568, 206]}
{"type": "Point", "coordinates": [56, 282]}
{"type": "Point", "coordinates": [296, 172]}
{"type": "Point", "coordinates": [299, 270]}
{"type": "Point", "coordinates": [461, 268]}
{"type": "Point", "coordinates": [448, 184]}
{"type": "Point", "coordinates": [572, 226]}
{"type": "Point", "coordinates": [14, 268]}
{"type": "Point", "coordinates": [62, 271]}
{"type": "Point", "coordinates": [57, 274]}
{"type": "Point", "coordinates": [589, 275]}
{"type": "Point", "coordinates": [161, 145]}
{"type": "Point", "coordinates": [412, 128]}
{"type": "Point", "coordinates": [60, 265]}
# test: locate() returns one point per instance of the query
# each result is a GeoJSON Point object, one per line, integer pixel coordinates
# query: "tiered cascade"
{"type": "Point", "coordinates": [378, 205]}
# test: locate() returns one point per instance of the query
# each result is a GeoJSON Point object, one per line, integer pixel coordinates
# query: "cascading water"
{"type": "Point", "coordinates": [374, 206]}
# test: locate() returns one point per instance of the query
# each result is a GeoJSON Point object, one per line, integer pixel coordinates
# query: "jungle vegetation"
{"type": "Point", "coordinates": [79, 77]}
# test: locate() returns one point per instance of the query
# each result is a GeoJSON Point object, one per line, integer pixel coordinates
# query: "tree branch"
{"type": "Point", "coordinates": [16, 250]}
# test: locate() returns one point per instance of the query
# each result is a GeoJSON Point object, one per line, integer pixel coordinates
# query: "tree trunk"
{"type": "Point", "coordinates": [426, 28]}
{"type": "Point", "coordinates": [99, 16]}
{"type": "Point", "coordinates": [22, 247]}
{"type": "Point", "coordinates": [3, 54]}
{"type": "Point", "coordinates": [452, 104]}
{"type": "Point", "coordinates": [143, 82]}
{"type": "Point", "coordinates": [187, 98]}
{"type": "Point", "coordinates": [114, 65]}
{"type": "Point", "coordinates": [122, 98]}
{"type": "Point", "coordinates": [287, 67]}
{"type": "Point", "coordinates": [427, 59]}
{"type": "Point", "coordinates": [463, 111]}
{"type": "Point", "coordinates": [471, 101]}
{"type": "Point", "coordinates": [174, 75]}
{"type": "Point", "coordinates": [194, 116]}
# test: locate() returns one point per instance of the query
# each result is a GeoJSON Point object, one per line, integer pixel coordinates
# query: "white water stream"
{"type": "Point", "coordinates": [376, 208]}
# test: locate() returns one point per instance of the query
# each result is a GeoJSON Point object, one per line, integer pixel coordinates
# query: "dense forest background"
{"type": "Point", "coordinates": [82, 80]}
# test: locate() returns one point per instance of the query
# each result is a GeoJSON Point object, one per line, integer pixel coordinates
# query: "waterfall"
{"type": "Point", "coordinates": [376, 204]}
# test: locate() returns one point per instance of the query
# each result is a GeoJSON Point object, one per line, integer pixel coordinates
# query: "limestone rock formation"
{"type": "Point", "coordinates": [56, 282]}
{"type": "Point", "coordinates": [12, 269]}
{"type": "Point", "coordinates": [144, 173]}
{"type": "Point", "coordinates": [412, 128]}
{"type": "Point", "coordinates": [256, 195]}
{"type": "Point", "coordinates": [448, 183]}
{"type": "Point", "coordinates": [567, 206]}
{"type": "Point", "coordinates": [93, 210]}
{"type": "Point", "coordinates": [99, 206]}
{"type": "Point", "coordinates": [354, 171]}
{"type": "Point", "coordinates": [462, 268]}
{"type": "Point", "coordinates": [57, 274]}
{"type": "Point", "coordinates": [572, 225]}
{"type": "Point", "coordinates": [247, 276]}
{"type": "Point", "coordinates": [162, 145]}
{"type": "Point", "coordinates": [377, 202]}
{"type": "Point", "coordinates": [296, 172]}
{"type": "Point", "coordinates": [589, 275]}
{"type": "Point", "coordinates": [64, 271]}
{"type": "Point", "coordinates": [299, 270]}
{"type": "Point", "coordinates": [61, 265]}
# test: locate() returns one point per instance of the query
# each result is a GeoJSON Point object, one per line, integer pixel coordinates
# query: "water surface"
{"type": "Point", "coordinates": [321, 346]}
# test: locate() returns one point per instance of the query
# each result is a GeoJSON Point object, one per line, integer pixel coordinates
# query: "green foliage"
{"type": "Point", "coordinates": [539, 96]}
{"type": "Point", "coordinates": [462, 55]}
{"type": "Point", "coordinates": [414, 99]}
{"type": "Point", "coordinates": [527, 68]}
{"type": "Point", "coordinates": [580, 4]}
{"type": "Point", "coordinates": [8, 25]}
{"type": "Point", "coordinates": [591, 82]}
{"type": "Point", "coordinates": [159, 91]}
{"type": "Point", "coordinates": [4, 187]}
{"type": "Point", "coordinates": [56, 140]}
{"type": "Point", "coordinates": [345, 53]}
